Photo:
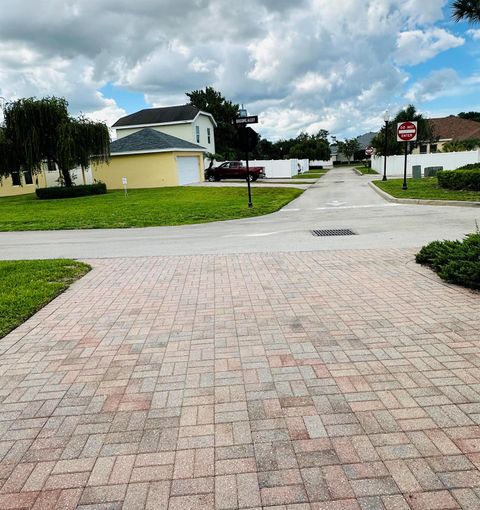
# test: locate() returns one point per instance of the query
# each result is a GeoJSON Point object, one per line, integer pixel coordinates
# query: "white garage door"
{"type": "Point", "coordinates": [187, 169]}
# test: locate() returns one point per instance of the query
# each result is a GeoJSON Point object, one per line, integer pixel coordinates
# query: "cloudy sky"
{"type": "Point", "coordinates": [298, 64]}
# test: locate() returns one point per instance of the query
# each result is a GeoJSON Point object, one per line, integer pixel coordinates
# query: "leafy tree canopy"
{"type": "Point", "coordinates": [470, 116]}
{"type": "Point", "coordinates": [313, 147]}
{"type": "Point", "coordinates": [224, 112]}
{"type": "Point", "coordinates": [409, 113]}
{"type": "Point", "coordinates": [349, 148]}
{"type": "Point", "coordinates": [38, 130]}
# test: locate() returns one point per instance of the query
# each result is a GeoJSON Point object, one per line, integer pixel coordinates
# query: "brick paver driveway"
{"type": "Point", "coordinates": [322, 381]}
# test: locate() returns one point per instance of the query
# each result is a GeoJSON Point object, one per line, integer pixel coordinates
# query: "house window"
{"type": "Point", "coordinates": [423, 149]}
{"type": "Point", "coordinates": [197, 132]}
{"type": "Point", "coordinates": [208, 135]}
{"type": "Point", "coordinates": [433, 148]}
{"type": "Point", "coordinates": [27, 175]}
{"type": "Point", "coordinates": [16, 178]}
{"type": "Point", "coordinates": [52, 167]}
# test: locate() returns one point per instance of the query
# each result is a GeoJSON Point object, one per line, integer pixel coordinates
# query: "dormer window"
{"type": "Point", "coordinates": [197, 133]}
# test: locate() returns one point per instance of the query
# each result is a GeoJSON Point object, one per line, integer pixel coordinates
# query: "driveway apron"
{"type": "Point", "coordinates": [319, 380]}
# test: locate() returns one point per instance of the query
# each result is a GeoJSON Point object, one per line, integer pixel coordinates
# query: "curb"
{"type": "Point", "coordinates": [357, 171]}
{"type": "Point", "coordinates": [418, 201]}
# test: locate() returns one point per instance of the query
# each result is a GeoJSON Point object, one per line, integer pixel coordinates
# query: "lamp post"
{"type": "Point", "coordinates": [386, 118]}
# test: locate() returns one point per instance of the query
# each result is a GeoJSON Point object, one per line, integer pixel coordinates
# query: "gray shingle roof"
{"type": "Point", "coordinates": [180, 113]}
{"type": "Point", "coordinates": [149, 139]}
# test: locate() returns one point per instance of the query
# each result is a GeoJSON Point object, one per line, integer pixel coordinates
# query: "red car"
{"type": "Point", "coordinates": [234, 170]}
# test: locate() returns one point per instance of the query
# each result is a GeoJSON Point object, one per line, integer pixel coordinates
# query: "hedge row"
{"type": "Point", "coordinates": [454, 261]}
{"type": "Point", "coordinates": [460, 179]}
{"type": "Point", "coordinates": [99, 188]}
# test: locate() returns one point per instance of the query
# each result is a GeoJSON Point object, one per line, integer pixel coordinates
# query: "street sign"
{"type": "Point", "coordinates": [369, 151]}
{"type": "Point", "coordinates": [241, 121]}
{"type": "Point", "coordinates": [407, 131]}
{"type": "Point", "coordinates": [248, 139]}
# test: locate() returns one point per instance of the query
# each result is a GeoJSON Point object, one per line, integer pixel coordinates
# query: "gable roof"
{"type": "Point", "coordinates": [454, 128]}
{"type": "Point", "coordinates": [168, 115]}
{"type": "Point", "coordinates": [150, 140]}
{"type": "Point", "coordinates": [366, 140]}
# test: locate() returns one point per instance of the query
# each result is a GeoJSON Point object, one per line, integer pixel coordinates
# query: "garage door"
{"type": "Point", "coordinates": [187, 169]}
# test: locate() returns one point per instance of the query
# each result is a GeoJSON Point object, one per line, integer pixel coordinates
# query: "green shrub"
{"type": "Point", "coordinates": [460, 179]}
{"type": "Point", "coordinates": [470, 166]}
{"type": "Point", "coordinates": [99, 188]}
{"type": "Point", "coordinates": [454, 261]}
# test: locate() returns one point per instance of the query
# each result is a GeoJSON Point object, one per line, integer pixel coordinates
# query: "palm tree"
{"type": "Point", "coordinates": [468, 10]}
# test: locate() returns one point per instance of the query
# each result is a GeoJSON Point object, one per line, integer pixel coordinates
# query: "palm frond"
{"type": "Point", "coordinates": [466, 10]}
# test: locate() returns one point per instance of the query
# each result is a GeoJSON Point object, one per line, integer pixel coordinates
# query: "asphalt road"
{"type": "Point", "coordinates": [341, 199]}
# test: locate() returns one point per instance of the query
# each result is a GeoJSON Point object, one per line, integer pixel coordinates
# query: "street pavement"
{"type": "Point", "coordinates": [340, 199]}
{"type": "Point", "coordinates": [305, 378]}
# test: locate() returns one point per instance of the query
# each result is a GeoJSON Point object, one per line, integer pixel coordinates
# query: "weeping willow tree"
{"type": "Point", "coordinates": [39, 130]}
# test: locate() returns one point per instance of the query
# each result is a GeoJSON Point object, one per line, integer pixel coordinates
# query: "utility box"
{"type": "Point", "coordinates": [416, 171]}
{"type": "Point", "coordinates": [431, 171]}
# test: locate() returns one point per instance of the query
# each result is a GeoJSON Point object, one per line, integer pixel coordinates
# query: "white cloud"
{"type": "Point", "coordinates": [416, 46]}
{"type": "Point", "coordinates": [439, 83]}
{"type": "Point", "coordinates": [474, 33]}
{"type": "Point", "coordinates": [307, 64]}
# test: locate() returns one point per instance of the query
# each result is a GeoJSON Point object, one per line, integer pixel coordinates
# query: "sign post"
{"type": "Point", "coordinates": [406, 132]}
{"type": "Point", "coordinates": [248, 140]}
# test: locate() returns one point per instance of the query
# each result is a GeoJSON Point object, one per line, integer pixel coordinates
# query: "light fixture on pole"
{"type": "Point", "coordinates": [386, 118]}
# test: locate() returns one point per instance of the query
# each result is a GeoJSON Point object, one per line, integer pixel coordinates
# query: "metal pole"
{"type": "Point", "coordinates": [250, 205]}
{"type": "Point", "coordinates": [385, 154]}
{"type": "Point", "coordinates": [405, 168]}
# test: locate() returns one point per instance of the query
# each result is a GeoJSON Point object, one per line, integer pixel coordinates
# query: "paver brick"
{"type": "Point", "coordinates": [302, 383]}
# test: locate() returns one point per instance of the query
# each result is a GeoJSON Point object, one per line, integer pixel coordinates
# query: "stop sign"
{"type": "Point", "coordinates": [369, 151]}
{"type": "Point", "coordinates": [406, 131]}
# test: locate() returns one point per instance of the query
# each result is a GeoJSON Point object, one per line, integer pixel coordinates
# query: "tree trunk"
{"type": "Point", "coordinates": [67, 178]}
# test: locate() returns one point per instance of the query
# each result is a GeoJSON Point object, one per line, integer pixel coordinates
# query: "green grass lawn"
{"type": "Point", "coordinates": [309, 175]}
{"type": "Point", "coordinates": [365, 170]}
{"type": "Point", "coordinates": [426, 189]}
{"type": "Point", "coordinates": [28, 285]}
{"type": "Point", "coordinates": [142, 208]}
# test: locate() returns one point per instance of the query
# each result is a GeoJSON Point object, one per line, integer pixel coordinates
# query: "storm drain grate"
{"type": "Point", "coordinates": [333, 232]}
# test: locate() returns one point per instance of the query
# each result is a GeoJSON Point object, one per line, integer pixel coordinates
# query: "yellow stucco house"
{"type": "Point", "coordinates": [23, 183]}
{"type": "Point", "coordinates": [185, 121]}
{"type": "Point", "coordinates": [151, 159]}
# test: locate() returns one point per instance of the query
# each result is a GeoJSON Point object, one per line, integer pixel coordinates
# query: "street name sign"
{"type": "Point", "coordinates": [241, 121]}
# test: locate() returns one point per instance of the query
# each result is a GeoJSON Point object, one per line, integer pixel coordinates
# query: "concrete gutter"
{"type": "Point", "coordinates": [417, 201]}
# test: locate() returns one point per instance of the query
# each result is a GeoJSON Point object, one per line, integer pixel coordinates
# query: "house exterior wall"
{"type": "Point", "coordinates": [204, 123]}
{"type": "Point", "coordinates": [185, 131]}
{"type": "Point", "coordinates": [439, 145]}
{"type": "Point", "coordinates": [155, 170]}
{"type": "Point", "coordinates": [182, 131]}
{"type": "Point", "coordinates": [7, 189]}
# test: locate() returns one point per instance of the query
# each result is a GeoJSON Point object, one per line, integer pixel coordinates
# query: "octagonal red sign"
{"type": "Point", "coordinates": [407, 131]}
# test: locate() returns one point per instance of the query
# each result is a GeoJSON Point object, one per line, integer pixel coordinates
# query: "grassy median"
{"type": "Point", "coordinates": [142, 208]}
{"type": "Point", "coordinates": [425, 189]}
{"type": "Point", "coordinates": [28, 285]}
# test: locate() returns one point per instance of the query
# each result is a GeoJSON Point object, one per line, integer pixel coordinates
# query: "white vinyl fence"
{"type": "Point", "coordinates": [449, 161]}
{"type": "Point", "coordinates": [281, 168]}
{"type": "Point", "coordinates": [326, 163]}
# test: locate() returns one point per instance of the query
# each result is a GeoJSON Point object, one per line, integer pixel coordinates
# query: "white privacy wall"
{"type": "Point", "coordinates": [281, 168]}
{"type": "Point", "coordinates": [449, 161]}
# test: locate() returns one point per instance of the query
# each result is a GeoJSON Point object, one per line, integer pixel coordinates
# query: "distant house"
{"type": "Point", "coordinates": [186, 122]}
{"type": "Point", "coordinates": [448, 129]}
{"type": "Point", "coordinates": [151, 159]}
